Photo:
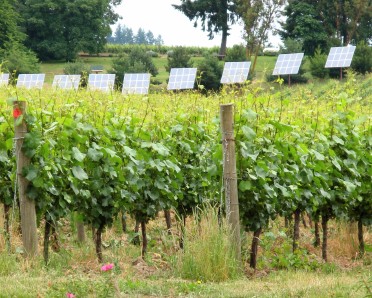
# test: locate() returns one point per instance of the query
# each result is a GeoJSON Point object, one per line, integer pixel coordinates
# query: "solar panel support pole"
{"type": "Point", "coordinates": [289, 80]}
{"type": "Point", "coordinates": [27, 206]}
{"type": "Point", "coordinates": [341, 73]}
{"type": "Point", "coordinates": [230, 182]}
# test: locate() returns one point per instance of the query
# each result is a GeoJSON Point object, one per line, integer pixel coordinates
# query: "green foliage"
{"type": "Point", "coordinates": [208, 253]}
{"type": "Point", "coordinates": [236, 53]}
{"type": "Point", "coordinates": [214, 16]}
{"type": "Point", "coordinates": [138, 61]}
{"type": "Point", "coordinates": [317, 63]}
{"type": "Point", "coordinates": [362, 59]}
{"type": "Point", "coordinates": [210, 70]}
{"type": "Point", "coordinates": [180, 58]}
{"type": "Point", "coordinates": [17, 59]}
{"type": "Point", "coordinates": [291, 46]}
{"type": "Point", "coordinates": [303, 25]}
{"type": "Point", "coordinates": [59, 29]}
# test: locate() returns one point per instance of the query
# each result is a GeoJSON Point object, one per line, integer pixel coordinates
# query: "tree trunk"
{"type": "Point", "coordinates": [144, 239]}
{"type": "Point", "coordinates": [94, 235]}
{"type": "Point", "coordinates": [136, 239]}
{"type": "Point", "coordinates": [98, 242]}
{"type": "Point", "coordinates": [56, 246]}
{"type": "Point", "coordinates": [7, 225]}
{"type": "Point", "coordinates": [46, 241]}
{"type": "Point", "coordinates": [325, 237]}
{"type": "Point", "coordinates": [254, 248]}
{"type": "Point", "coordinates": [317, 234]}
{"type": "Point", "coordinates": [296, 229]}
{"type": "Point", "coordinates": [80, 232]}
{"type": "Point", "coordinates": [360, 237]}
{"type": "Point", "coordinates": [310, 221]}
{"type": "Point", "coordinates": [168, 221]}
{"type": "Point", "coordinates": [124, 222]}
{"type": "Point", "coordinates": [303, 220]}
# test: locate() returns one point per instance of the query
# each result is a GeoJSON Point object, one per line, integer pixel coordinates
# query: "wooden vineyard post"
{"type": "Point", "coordinates": [27, 206]}
{"type": "Point", "coordinates": [229, 174]}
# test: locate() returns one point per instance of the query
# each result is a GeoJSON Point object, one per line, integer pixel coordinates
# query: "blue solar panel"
{"type": "Point", "coordinates": [66, 81]}
{"type": "Point", "coordinates": [31, 80]}
{"type": "Point", "coordinates": [181, 78]}
{"type": "Point", "coordinates": [136, 83]}
{"type": "Point", "coordinates": [288, 64]}
{"type": "Point", "coordinates": [4, 78]}
{"type": "Point", "coordinates": [103, 82]}
{"type": "Point", "coordinates": [340, 57]}
{"type": "Point", "coordinates": [235, 72]}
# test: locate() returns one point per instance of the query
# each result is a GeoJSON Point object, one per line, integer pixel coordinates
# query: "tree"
{"type": "Point", "coordinates": [140, 38]}
{"type": "Point", "coordinates": [59, 29]}
{"type": "Point", "coordinates": [215, 16]}
{"type": "Point", "coordinates": [136, 62]}
{"type": "Point", "coordinates": [14, 56]}
{"type": "Point", "coordinates": [326, 23]}
{"type": "Point", "coordinates": [304, 24]}
{"type": "Point", "coordinates": [258, 17]}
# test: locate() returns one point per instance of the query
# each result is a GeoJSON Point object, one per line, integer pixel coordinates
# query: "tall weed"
{"type": "Point", "coordinates": [209, 254]}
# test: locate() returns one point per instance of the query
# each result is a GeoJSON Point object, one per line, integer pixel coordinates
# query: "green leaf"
{"type": "Point", "coordinates": [77, 154]}
{"type": "Point", "coordinates": [245, 185]}
{"type": "Point", "coordinates": [248, 132]}
{"type": "Point", "coordinates": [79, 173]}
{"type": "Point", "coordinates": [318, 155]}
{"type": "Point", "coordinates": [338, 140]}
{"type": "Point", "coordinates": [94, 154]}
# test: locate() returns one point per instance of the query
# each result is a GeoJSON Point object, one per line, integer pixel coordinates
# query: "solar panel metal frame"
{"type": "Point", "coordinates": [136, 83]}
{"type": "Point", "coordinates": [339, 57]}
{"type": "Point", "coordinates": [28, 81]}
{"type": "Point", "coordinates": [235, 72]}
{"type": "Point", "coordinates": [4, 79]}
{"type": "Point", "coordinates": [288, 64]}
{"type": "Point", "coordinates": [181, 78]}
{"type": "Point", "coordinates": [101, 81]}
{"type": "Point", "coordinates": [66, 81]}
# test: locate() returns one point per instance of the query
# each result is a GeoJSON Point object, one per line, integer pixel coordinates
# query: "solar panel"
{"type": "Point", "coordinates": [181, 78]}
{"type": "Point", "coordinates": [31, 80]}
{"type": "Point", "coordinates": [4, 78]}
{"type": "Point", "coordinates": [340, 57]}
{"type": "Point", "coordinates": [136, 83]}
{"type": "Point", "coordinates": [288, 64]}
{"type": "Point", "coordinates": [235, 72]}
{"type": "Point", "coordinates": [66, 81]}
{"type": "Point", "coordinates": [103, 82]}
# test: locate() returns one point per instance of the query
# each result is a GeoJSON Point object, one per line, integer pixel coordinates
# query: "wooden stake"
{"type": "Point", "coordinates": [229, 174]}
{"type": "Point", "coordinates": [27, 206]}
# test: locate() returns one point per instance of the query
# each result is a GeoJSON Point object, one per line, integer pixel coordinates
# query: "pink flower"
{"type": "Point", "coordinates": [107, 267]}
{"type": "Point", "coordinates": [70, 295]}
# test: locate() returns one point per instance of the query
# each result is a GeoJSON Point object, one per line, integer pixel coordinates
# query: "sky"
{"type": "Point", "coordinates": [175, 28]}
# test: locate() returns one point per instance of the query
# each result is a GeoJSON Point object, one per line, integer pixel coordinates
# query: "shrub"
{"type": "Point", "coordinates": [17, 59]}
{"type": "Point", "coordinates": [236, 54]}
{"type": "Point", "coordinates": [136, 62]}
{"type": "Point", "coordinates": [78, 67]}
{"type": "Point", "coordinates": [179, 58]}
{"type": "Point", "coordinates": [362, 60]}
{"type": "Point", "coordinates": [152, 54]}
{"type": "Point", "coordinates": [210, 70]}
{"type": "Point", "coordinates": [317, 63]}
{"type": "Point", "coordinates": [291, 45]}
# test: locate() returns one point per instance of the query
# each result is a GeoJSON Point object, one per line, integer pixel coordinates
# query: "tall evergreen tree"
{"type": "Point", "coordinates": [215, 16]}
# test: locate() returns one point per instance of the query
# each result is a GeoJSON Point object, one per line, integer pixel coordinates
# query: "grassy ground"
{"type": "Point", "coordinates": [74, 268]}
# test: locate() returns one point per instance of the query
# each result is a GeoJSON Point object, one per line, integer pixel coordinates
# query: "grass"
{"type": "Point", "coordinates": [75, 269]}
